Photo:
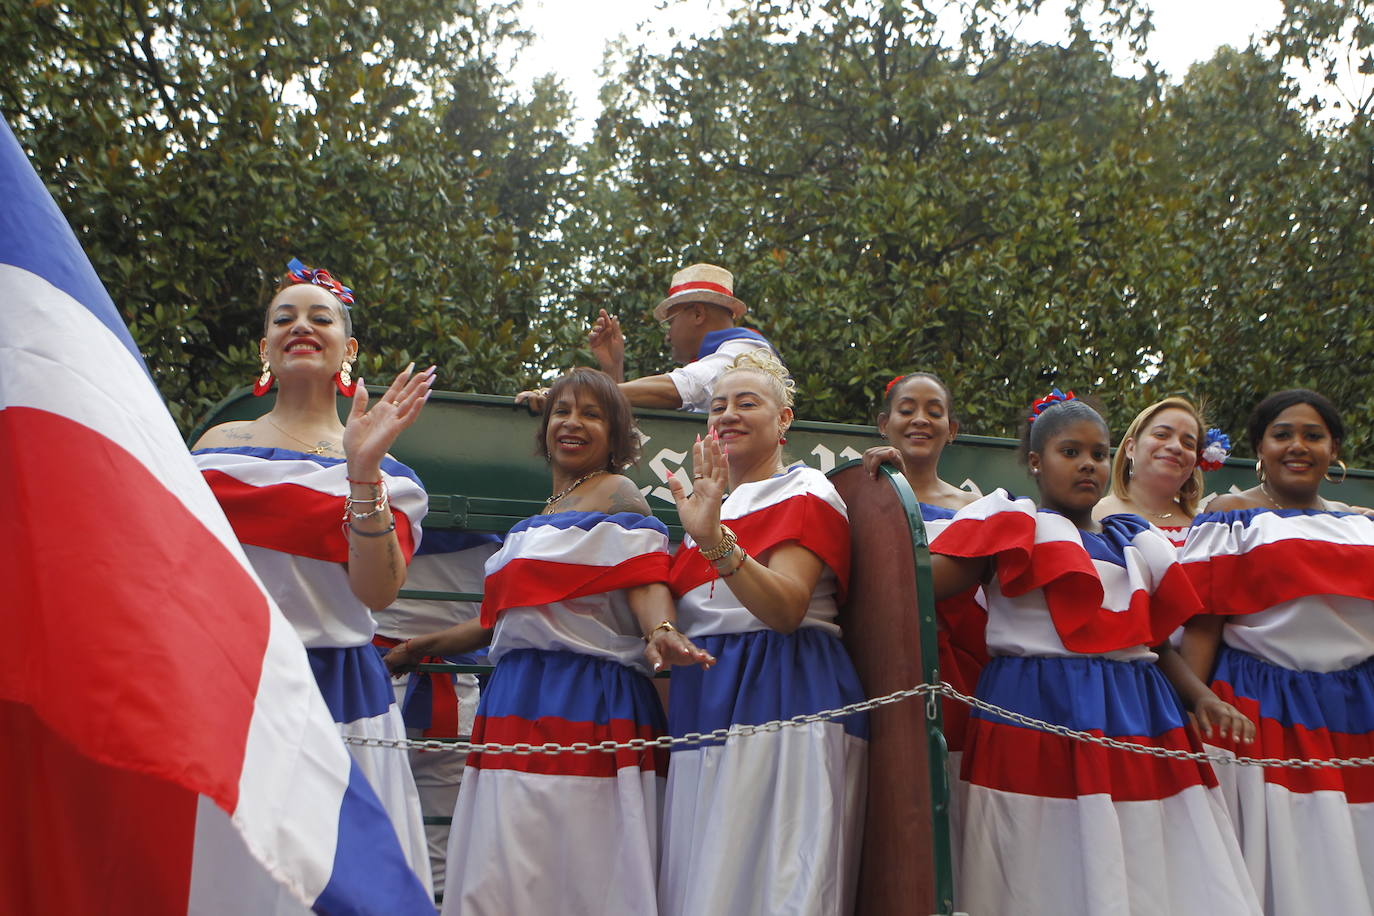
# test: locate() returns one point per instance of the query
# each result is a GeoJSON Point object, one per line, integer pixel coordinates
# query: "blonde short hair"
{"type": "Point", "coordinates": [762, 361]}
{"type": "Point", "coordinates": [1191, 491]}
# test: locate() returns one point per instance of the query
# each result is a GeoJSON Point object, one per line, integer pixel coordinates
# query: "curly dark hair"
{"type": "Point", "coordinates": [620, 420]}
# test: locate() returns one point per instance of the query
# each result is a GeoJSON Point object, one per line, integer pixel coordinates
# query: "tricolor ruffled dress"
{"type": "Point", "coordinates": [436, 705]}
{"type": "Point", "coordinates": [286, 508]}
{"type": "Point", "coordinates": [1057, 826]}
{"type": "Point", "coordinates": [768, 823]}
{"type": "Point", "coordinates": [564, 833]}
{"type": "Point", "coordinates": [961, 623]}
{"type": "Point", "coordinates": [1297, 657]}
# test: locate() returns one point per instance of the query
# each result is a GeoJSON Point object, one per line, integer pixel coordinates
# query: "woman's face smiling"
{"type": "Point", "coordinates": [1072, 468]}
{"type": "Point", "coordinates": [747, 419]}
{"type": "Point", "coordinates": [918, 424]}
{"type": "Point", "coordinates": [1165, 452]}
{"type": "Point", "coordinates": [1296, 451]}
{"type": "Point", "coordinates": [305, 333]}
{"type": "Point", "coordinates": [578, 439]}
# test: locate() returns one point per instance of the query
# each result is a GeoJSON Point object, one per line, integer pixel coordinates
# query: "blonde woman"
{"type": "Point", "coordinates": [1155, 473]}
{"type": "Point", "coordinates": [766, 823]}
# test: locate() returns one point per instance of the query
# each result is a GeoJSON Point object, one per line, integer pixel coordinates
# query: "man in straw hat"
{"type": "Point", "coordinates": [699, 316]}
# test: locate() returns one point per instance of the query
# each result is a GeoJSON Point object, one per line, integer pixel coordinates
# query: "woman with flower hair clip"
{"type": "Point", "coordinates": [1055, 825]}
{"type": "Point", "coordinates": [329, 521]}
{"type": "Point", "coordinates": [1157, 470]}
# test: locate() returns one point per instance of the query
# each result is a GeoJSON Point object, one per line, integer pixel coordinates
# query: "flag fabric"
{"type": "Point", "coordinates": [158, 706]}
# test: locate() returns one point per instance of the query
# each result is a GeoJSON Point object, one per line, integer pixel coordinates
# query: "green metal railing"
{"type": "Point", "coordinates": [937, 750]}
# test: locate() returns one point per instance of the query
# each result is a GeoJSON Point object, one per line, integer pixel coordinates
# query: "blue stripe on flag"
{"type": "Point", "coordinates": [35, 236]}
{"type": "Point", "coordinates": [368, 866]}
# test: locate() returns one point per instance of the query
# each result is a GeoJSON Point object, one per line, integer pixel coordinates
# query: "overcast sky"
{"type": "Point", "coordinates": [571, 37]}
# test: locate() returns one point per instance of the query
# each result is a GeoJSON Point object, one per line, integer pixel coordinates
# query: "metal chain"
{"type": "Point", "coordinates": [930, 691]}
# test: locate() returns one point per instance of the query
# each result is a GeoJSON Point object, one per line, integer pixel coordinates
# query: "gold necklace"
{"type": "Point", "coordinates": [548, 503]}
{"type": "Point", "coordinates": [318, 448]}
{"type": "Point", "coordinates": [1149, 511]}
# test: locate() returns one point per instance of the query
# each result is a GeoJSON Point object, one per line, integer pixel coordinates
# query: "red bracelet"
{"type": "Point", "coordinates": [366, 483]}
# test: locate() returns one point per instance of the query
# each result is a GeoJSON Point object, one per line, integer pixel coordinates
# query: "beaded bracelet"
{"type": "Point", "coordinates": [379, 504]}
{"type": "Point", "coordinates": [743, 557]}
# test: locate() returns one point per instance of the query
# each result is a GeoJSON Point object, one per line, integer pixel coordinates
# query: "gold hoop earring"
{"type": "Point", "coordinates": [1345, 471]}
{"type": "Point", "coordinates": [1259, 470]}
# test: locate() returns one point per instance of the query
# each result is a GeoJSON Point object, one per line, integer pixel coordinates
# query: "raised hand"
{"type": "Point", "coordinates": [607, 343]}
{"type": "Point", "coordinates": [879, 455]}
{"type": "Point", "coordinates": [369, 434]}
{"type": "Point", "coordinates": [700, 511]}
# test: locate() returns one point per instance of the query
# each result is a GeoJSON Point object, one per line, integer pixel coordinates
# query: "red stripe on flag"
{"type": "Point", "coordinates": [1026, 760]}
{"type": "Point", "coordinates": [292, 519]}
{"type": "Point", "coordinates": [143, 637]}
{"type": "Point", "coordinates": [81, 837]}
{"type": "Point", "coordinates": [804, 519]}
{"type": "Point", "coordinates": [527, 582]}
{"type": "Point", "coordinates": [515, 730]}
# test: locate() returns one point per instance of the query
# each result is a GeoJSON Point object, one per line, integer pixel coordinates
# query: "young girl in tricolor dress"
{"type": "Point", "coordinates": [1288, 577]}
{"type": "Point", "coordinates": [1053, 825]}
{"type": "Point", "coordinates": [770, 822]}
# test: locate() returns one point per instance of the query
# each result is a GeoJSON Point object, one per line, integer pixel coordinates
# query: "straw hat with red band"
{"type": "Point", "coordinates": [702, 283]}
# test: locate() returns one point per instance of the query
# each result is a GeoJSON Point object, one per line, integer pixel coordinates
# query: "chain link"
{"type": "Point", "coordinates": [692, 739]}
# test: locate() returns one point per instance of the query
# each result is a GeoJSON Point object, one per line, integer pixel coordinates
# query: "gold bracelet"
{"type": "Point", "coordinates": [665, 625]}
{"type": "Point", "coordinates": [727, 544]}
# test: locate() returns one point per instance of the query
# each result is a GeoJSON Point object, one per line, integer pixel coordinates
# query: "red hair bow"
{"type": "Point", "coordinates": [320, 277]}
{"type": "Point", "coordinates": [1054, 396]}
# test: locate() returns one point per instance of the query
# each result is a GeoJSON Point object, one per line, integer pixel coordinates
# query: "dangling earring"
{"type": "Point", "coordinates": [1259, 470]}
{"type": "Point", "coordinates": [343, 380]}
{"type": "Point", "coordinates": [782, 440]}
{"type": "Point", "coordinates": [264, 382]}
{"type": "Point", "coordinates": [1344, 471]}
{"type": "Point", "coordinates": [1130, 467]}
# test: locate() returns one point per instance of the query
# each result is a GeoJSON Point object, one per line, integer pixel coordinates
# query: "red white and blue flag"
{"type": "Point", "coordinates": [157, 704]}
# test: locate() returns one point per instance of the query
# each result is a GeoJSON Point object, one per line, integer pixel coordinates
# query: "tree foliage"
{"type": "Point", "coordinates": [894, 188]}
{"type": "Point", "coordinates": [196, 147]}
{"type": "Point", "coordinates": [1009, 215]}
